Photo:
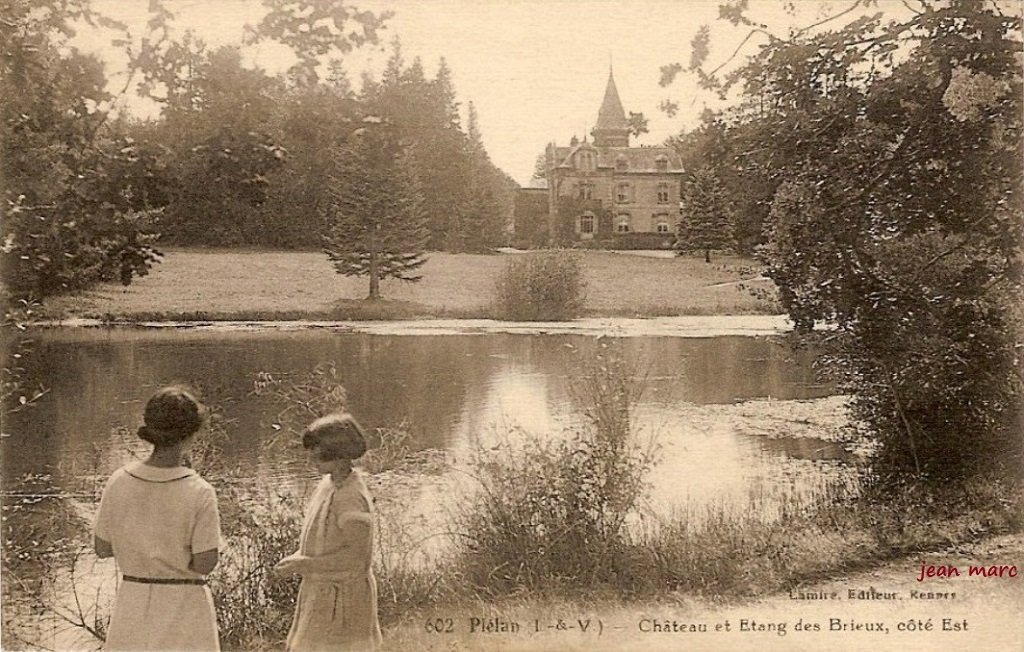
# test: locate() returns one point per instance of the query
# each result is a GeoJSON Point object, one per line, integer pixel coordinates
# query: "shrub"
{"type": "Point", "coordinates": [254, 607]}
{"type": "Point", "coordinates": [541, 286]}
{"type": "Point", "coordinates": [555, 510]}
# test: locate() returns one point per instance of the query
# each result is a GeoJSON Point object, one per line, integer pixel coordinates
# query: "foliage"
{"type": "Point", "coordinates": [254, 607]}
{"type": "Point", "coordinates": [554, 510]}
{"type": "Point", "coordinates": [375, 222]}
{"type": "Point", "coordinates": [302, 399]}
{"type": "Point", "coordinates": [315, 29]}
{"type": "Point", "coordinates": [248, 156]}
{"type": "Point", "coordinates": [637, 124]}
{"type": "Point", "coordinates": [896, 216]}
{"type": "Point", "coordinates": [311, 122]}
{"type": "Point", "coordinates": [79, 196]}
{"type": "Point", "coordinates": [485, 201]}
{"type": "Point", "coordinates": [706, 222]}
{"type": "Point", "coordinates": [465, 197]}
{"type": "Point", "coordinates": [723, 146]}
{"type": "Point", "coordinates": [541, 286]}
{"type": "Point", "coordinates": [219, 153]}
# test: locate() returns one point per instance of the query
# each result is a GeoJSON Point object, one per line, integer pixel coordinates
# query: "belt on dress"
{"type": "Point", "coordinates": [162, 580]}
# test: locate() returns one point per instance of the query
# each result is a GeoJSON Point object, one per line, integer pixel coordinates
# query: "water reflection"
{"type": "Point", "coordinates": [449, 390]}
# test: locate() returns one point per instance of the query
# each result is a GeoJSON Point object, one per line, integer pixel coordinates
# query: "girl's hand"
{"type": "Point", "coordinates": [288, 566]}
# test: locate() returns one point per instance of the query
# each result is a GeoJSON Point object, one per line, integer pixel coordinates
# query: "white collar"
{"type": "Point", "coordinates": [142, 471]}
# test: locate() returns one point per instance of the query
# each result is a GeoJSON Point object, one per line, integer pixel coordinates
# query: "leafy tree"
{"type": "Point", "coordinates": [722, 143]}
{"type": "Point", "coordinates": [376, 226]}
{"type": "Point", "coordinates": [897, 216]}
{"type": "Point", "coordinates": [78, 197]}
{"type": "Point", "coordinates": [637, 124]}
{"type": "Point", "coordinates": [220, 148]}
{"type": "Point", "coordinates": [706, 222]}
{"type": "Point", "coordinates": [317, 31]}
{"type": "Point", "coordinates": [310, 122]}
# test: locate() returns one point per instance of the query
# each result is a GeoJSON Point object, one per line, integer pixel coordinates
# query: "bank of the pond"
{"type": "Point", "coordinates": [928, 615]}
{"type": "Point", "coordinates": [268, 285]}
{"type": "Point", "coordinates": [684, 326]}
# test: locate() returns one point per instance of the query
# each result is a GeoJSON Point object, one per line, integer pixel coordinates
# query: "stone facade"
{"type": "Point", "coordinates": [606, 191]}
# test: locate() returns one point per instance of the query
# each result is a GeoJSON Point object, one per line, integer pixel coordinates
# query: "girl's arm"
{"type": "Point", "coordinates": [103, 547]}
{"type": "Point", "coordinates": [205, 534]}
{"type": "Point", "coordinates": [354, 553]}
{"type": "Point", "coordinates": [204, 562]}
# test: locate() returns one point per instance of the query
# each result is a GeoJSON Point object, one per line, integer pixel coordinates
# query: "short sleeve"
{"type": "Point", "coordinates": [102, 526]}
{"type": "Point", "coordinates": [206, 531]}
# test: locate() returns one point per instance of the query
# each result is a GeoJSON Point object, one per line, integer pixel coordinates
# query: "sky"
{"type": "Point", "coordinates": [535, 70]}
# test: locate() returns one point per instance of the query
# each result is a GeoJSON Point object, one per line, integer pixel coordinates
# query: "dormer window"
{"type": "Point", "coordinates": [661, 163]}
{"type": "Point", "coordinates": [585, 161]}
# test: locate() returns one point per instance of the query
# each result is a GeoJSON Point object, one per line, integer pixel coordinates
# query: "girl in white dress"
{"type": "Point", "coordinates": [337, 605]}
{"type": "Point", "coordinates": [158, 519]}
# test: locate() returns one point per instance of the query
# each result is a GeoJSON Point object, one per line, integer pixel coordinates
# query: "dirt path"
{"type": "Point", "coordinates": [883, 609]}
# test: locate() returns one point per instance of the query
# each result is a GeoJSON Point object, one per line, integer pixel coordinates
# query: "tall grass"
{"type": "Point", "coordinates": [554, 510]}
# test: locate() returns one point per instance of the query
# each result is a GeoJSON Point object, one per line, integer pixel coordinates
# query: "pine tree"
{"type": "Point", "coordinates": [481, 214]}
{"type": "Point", "coordinates": [376, 225]}
{"type": "Point", "coordinates": [476, 143]}
{"type": "Point", "coordinates": [444, 88]}
{"type": "Point", "coordinates": [706, 222]}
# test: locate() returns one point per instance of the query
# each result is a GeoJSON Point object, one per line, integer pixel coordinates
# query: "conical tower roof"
{"type": "Point", "coordinates": [611, 115]}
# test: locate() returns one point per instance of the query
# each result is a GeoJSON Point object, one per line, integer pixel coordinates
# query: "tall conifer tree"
{"type": "Point", "coordinates": [376, 226]}
{"type": "Point", "coordinates": [706, 222]}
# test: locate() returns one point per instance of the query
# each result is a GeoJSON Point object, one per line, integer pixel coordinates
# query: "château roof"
{"type": "Point", "coordinates": [611, 114]}
{"type": "Point", "coordinates": [638, 159]}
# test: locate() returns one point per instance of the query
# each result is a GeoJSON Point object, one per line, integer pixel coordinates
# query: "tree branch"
{"type": "Point", "coordinates": [804, 30]}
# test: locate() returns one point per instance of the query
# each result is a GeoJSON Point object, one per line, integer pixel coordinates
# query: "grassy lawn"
{"type": "Point", "coordinates": [232, 284]}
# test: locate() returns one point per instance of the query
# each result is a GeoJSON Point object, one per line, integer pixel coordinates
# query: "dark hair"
{"type": "Point", "coordinates": [172, 414]}
{"type": "Point", "coordinates": [336, 436]}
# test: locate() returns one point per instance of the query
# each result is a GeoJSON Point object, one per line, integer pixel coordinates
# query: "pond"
{"type": "Point", "coordinates": [748, 406]}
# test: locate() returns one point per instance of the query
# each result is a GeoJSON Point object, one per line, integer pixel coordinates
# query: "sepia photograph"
{"type": "Point", "coordinates": [512, 325]}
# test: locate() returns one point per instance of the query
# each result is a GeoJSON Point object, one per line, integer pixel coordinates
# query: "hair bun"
{"type": "Point", "coordinates": [172, 414]}
{"type": "Point", "coordinates": [145, 435]}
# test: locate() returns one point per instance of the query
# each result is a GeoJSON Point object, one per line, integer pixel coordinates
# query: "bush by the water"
{"type": "Point", "coordinates": [555, 510]}
{"type": "Point", "coordinates": [541, 286]}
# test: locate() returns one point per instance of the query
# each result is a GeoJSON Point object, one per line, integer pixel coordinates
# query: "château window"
{"type": "Point", "coordinates": [621, 164]}
{"type": "Point", "coordinates": [587, 223]}
{"type": "Point", "coordinates": [622, 223]}
{"type": "Point", "coordinates": [663, 193]}
{"type": "Point", "coordinates": [661, 223]}
{"type": "Point", "coordinates": [622, 192]}
{"type": "Point", "coordinates": [586, 190]}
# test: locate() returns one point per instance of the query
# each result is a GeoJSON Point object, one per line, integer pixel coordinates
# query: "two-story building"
{"type": "Point", "coordinates": [606, 190]}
